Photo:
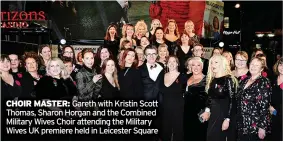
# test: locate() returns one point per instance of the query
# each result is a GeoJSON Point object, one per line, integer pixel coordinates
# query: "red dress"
{"type": "Point", "coordinates": [180, 11]}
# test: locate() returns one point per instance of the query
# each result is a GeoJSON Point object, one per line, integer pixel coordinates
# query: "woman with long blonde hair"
{"type": "Point", "coordinates": [140, 31]}
{"type": "Point", "coordinates": [221, 86]}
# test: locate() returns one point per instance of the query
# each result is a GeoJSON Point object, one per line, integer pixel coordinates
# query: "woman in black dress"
{"type": "Point", "coordinates": [45, 56]}
{"type": "Point", "coordinates": [10, 90]}
{"type": "Point", "coordinates": [129, 77]}
{"type": "Point", "coordinates": [195, 101]}
{"type": "Point", "coordinates": [55, 86]}
{"type": "Point", "coordinates": [111, 40]}
{"type": "Point", "coordinates": [110, 85]}
{"type": "Point", "coordinates": [253, 101]}
{"type": "Point", "coordinates": [221, 86]}
{"type": "Point", "coordinates": [158, 38]}
{"type": "Point", "coordinates": [31, 77]}
{"type": "Point", "coordinates": [276, 102]}
{"type": "Point", "coordinates": [173, 104]}
{"type": "Point", "coordinates": [184, 52]}
{"type": "Point", "coordinates": [172, 35]}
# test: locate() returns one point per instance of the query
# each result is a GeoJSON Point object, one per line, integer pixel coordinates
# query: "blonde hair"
{"type": "Point", "coordinates": [151, 25]}
{"type": "Point", "coordinates": [161, 46]}
{"type": "Point", "coordinates": [197, 59]}
{"type": "Point", "coordinates": [140, 23]}
{"type": "Point", "coordinates": [63, 72]}
{"type": "Point", "coordinates": [186, 23]}
{"type": "Point", "coordinates": [232, 64]}
{"type": "Point", "coordinates": [224, 67]}
{"type": "Point", "coordinates": [187, 63]}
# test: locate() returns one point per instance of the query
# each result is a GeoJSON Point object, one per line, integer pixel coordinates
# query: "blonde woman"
{"type": "Point", "coordinates": [220, 87]}
{"type": "Point", "coordinates": [128, 34]}
{"type": "Point", "coordinates": [172, 35]}
{"type": "Point", "coordinates": [154, 24]}
{"type": "Point", "coordinates": [195, 100]}
{"type": "Point", "coordinates": [228, 55]}
{"type": "Point", "coordinates": [56, 83]}
{"type": "Point", "coordinates": [190, 30]}
{"type": "Point", "coordinates": [140, 31]}
{"type": "Point", "coordinates": [162, 54]}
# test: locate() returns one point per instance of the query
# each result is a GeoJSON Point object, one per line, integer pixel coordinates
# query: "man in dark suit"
{"type": "Point", "coordinates": [152, 74]}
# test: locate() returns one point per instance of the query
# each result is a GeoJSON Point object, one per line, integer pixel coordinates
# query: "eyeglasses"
{"type": "Point", "coordinates": [238, 60]}
{"type": "Point", "coordinates": [153, 54]}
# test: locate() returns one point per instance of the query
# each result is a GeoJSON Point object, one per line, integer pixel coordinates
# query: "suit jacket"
{"type": "Point", "coordinates": [150, 87]}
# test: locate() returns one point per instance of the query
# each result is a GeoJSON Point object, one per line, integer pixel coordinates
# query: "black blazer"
{"type": "Point", "coordinates": [130, 84]}
{"type": "Point", "coordinates": [150, 87]}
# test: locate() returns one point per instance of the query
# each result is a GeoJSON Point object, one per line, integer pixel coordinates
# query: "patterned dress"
{"type": "Point", "coordinates": [252, 107]}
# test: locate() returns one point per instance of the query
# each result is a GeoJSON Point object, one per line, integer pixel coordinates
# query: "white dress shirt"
{"type": "Point", "coordinates": [154, 72]}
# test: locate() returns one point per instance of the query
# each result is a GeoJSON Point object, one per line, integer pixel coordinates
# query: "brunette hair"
{"type": "Point", "coordinates": [107, 35]}
{"type": "Point", "coordinates": [74, 56]}
{"type": "Point", "coordinates": [32, 55]}
{"type": "Point", "coordinates": [97, 58]}
{"type": "Point", "coordinates": [4, 56]}
{"type": "Point", "coordinates": [66, 59]}
{"type": "Point", "coordinates": [153, 37]}
{"type": "Point", "coordinates": [115, 74]}
{"type": "Point", "coordinates": [125, 54]}
{"type": "Point", "coordinates": [275, 67]}
{"type": "Point", "coordinates": [87, 50]}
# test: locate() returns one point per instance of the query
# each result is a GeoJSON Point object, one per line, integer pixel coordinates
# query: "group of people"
{"type": "Point", "coordinates": [221, 98]}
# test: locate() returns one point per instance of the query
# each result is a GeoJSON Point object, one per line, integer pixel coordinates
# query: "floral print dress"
{"type": "Point", "coordinates": [252, 106]}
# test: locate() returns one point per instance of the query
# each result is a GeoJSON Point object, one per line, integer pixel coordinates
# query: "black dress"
{"type": "Point", "coordinates": [108, 91]}
{"type": "Point", "coordinates": [276, 102]}
{"type": "Point", "coordinates": [172, 46]}
{"type": "Point", "coordinates": [173, 109]}
{"type": "Point", "coordinates": [221, 95]}
{"type": "Point", "coordinates": [195, 101]}
{"type": "Point", "coordinates": [183, 57]}
{"type": "Point", "coordinates": [54, 89]}
{"type": "Point", "coordinates": [113, 46]}
{"type": "Point", "coordinates": [9, 92]}
{"type": "Point", "coordinates": [130, 84]}
{"type": "Point", "coordinates": [28, 85]}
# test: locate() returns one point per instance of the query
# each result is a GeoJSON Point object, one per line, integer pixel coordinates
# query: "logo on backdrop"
{"type": "Point", "coordinates": [20, 19]}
